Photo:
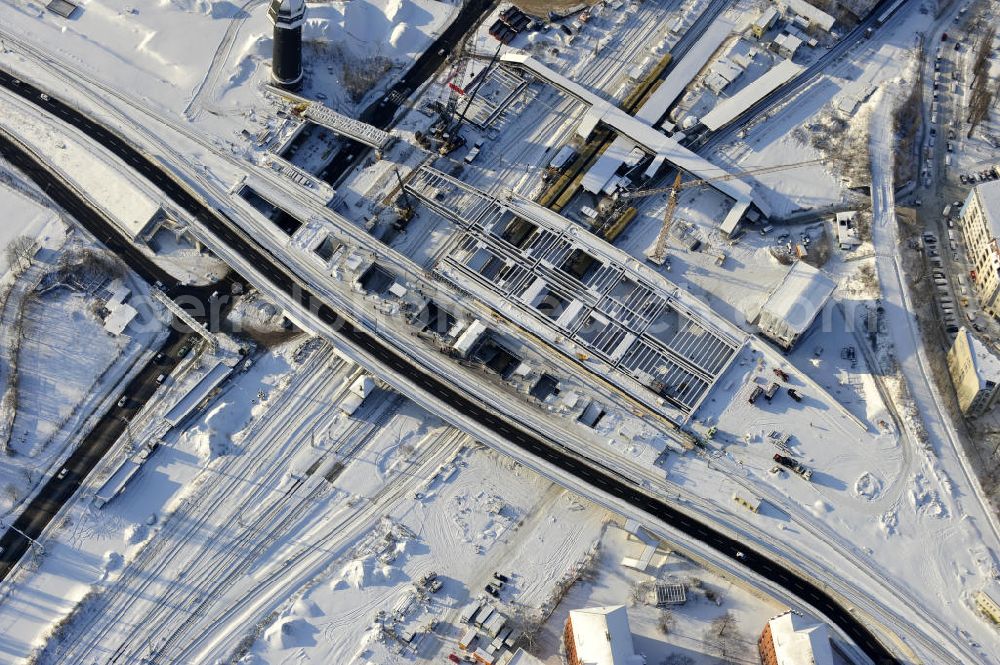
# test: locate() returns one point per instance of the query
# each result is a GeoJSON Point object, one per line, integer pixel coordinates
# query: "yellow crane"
{"type": "Point", "coordinates": [659, 252]}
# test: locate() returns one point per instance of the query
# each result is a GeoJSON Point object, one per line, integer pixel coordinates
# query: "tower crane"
{"type": "Point", "coordinates": [659, 252]}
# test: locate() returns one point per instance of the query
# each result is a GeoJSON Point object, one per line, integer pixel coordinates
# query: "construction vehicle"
{"type": "Point", "coordinates": [781, 374]}
{"type": "Point", "coordinates": [452, 138]}
{"type": "Point", "coordinates": [794, 465]}
{"type": "Point", "coordinates": [658, 253]}
{"type": "Point", "coordinates": [404, 209]}
{"type": "Point", "coordinates": [771, 390]}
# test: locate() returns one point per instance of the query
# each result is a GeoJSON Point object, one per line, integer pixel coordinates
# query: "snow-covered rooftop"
{"type": "Point", "coordinates": [685, 70]}
{"type": "Point", "coordinates": [804, 9]}
{"type": "Point", "coordinates": [728, 109]}
{"type": "Point", "coordinates": [600, 174]}
{"type": "Point", "coordinates": [795, 302]}
{"type": "Point", "coordinates": [602, 636]}
{"type": "Point", "coordinates": [119, 318]}
{"type": "Point", "coordinates": [989, 197]}
{"type": "Point", "coordinates": [798, 641]}
{"type": "Point", "coordinates": [639, 131]}
{"type": "Point", "coordinates": [986, 363]}
{"type": "Point", "coordinates": [522, 657]}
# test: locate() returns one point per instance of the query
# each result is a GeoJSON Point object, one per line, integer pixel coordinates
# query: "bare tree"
{"type": "Point", "coordinates": [20, 251]}
{"type": "Point", "coordinates": [667, 621]}
{"type": "Point", "coordinates": [723, 637]}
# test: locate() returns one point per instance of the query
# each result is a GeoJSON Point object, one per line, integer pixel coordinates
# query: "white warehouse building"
{"type": "Point", "coordinates": [600, 636]}
{"type": "Point", "coordinates": [794, 304]}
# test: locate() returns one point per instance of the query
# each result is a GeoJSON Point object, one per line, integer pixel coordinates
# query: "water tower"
{"type": "Point", "coordinates": [286, 60]}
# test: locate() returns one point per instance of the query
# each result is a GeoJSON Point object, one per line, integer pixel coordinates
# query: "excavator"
{"type": "Point", "coordinates": [658, 253]}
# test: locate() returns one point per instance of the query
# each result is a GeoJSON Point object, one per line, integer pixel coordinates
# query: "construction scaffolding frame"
{"type": "Point", "coordinates": [575, 286]}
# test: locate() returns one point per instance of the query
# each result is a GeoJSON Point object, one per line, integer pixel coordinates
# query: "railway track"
{"type": "Point", "coordinates": [192, 517]}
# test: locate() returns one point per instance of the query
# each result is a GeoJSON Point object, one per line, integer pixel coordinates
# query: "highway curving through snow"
{"type": "Point", "coordinates": [590, 472]}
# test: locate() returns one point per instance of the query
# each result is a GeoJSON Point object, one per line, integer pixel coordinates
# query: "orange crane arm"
{"type": "Point", "coordinates": [659, 253]}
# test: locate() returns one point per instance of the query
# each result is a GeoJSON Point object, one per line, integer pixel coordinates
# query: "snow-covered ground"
{"type": "Point", "coordinates": [59, 363]}
{"type": "Point", "coordinates": [481, 513]}
{"type": "Point", "coordinates": [24, 216]}
{"type": "Point", "coordinates": [709, 597]}
{"type": "Point", "coordinates": [134, 48]}
{"type": "Point", "coordinates": [878, 503]}
{"type": "Point", "coordinates": [89, 548]}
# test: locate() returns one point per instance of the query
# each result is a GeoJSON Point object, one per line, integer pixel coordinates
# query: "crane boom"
{"type": "Point", "coordinates": [659, 252]}
{"type": "Point", "coordinates": [641, 193]}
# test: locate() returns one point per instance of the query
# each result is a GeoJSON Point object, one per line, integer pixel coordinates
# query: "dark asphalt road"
{"type": "Point", "coordinates": [551, 451]}
{"type": "Point", "coordinates": [56, 491]}
{"type": "Point", "coordinates": [382, 111]}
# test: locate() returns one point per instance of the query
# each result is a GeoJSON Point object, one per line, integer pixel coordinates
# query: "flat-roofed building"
{"type": "Point", "coordinates": [847, 229]}
{"type": "Point", "coordinates": [764, 22]}
{"type": "Point", "coordinates": [794, 304]}
{"type": "Point", "coordinates": [791, 639]}
{"type": "Point", "coordinates": [600, 636]}
{"type": "Point", "coordinates": [975, 373]}
{"type": "Point", "coordinates": [814, 16]}
{"type": "Point", "coordinates": [522, 657]}
{"type": "Point", "coordinates": [980, 224]}
{"type": "Point", "coordinates": [988, 600]}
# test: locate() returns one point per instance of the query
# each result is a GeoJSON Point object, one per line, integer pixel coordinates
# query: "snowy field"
{"type": "Point", "coordinates": [133, 48]}
{"type": "Point", "coordinates": [893, 515]}
{"type": "Point", "coordinates": [481, 514]}
{"type": "Point", "coordinates": [23, 216]}
{"type": "Point", "coordinates": [331, 519]}
{"type": "Point", "coordinates": [59, 364]}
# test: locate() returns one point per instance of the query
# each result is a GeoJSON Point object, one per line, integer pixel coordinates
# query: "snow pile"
{"type": "Point", "coordinates": [398, 29]}
{"type": "Point", "coordinates": [253, 313]}
{"type": "Point", "coordinates": [363, 573]}
{"type": "Point", "coordinates": [305, 608]}
{"type": "Point", "coordinates": [405, 38]}
{"type": "Point", "coordinates": [288, 633]}
{"type": "Point", "coordinates": [211, 438]}
{"type": "Point", "coordinates": [868, 487]}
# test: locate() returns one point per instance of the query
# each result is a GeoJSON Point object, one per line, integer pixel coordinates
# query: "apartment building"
{"type": "Point", "coordinates": [980, 225]}
{"type": "Point", "coordinates": [975, 373]}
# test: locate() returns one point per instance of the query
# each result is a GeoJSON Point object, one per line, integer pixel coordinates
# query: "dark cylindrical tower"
{"type": "Point", "coordinates": [286, 60]}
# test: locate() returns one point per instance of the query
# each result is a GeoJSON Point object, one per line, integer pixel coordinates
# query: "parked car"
{"type": "Point", "coordinates": [501, 577]}
{"type": "Point", "coordinates": [794, 394]}
{"type": "Point", "coordinates": [122, 401]}
{"type": "Point", "coordinates": [492, 590]}
{"type": "Point", "coordinates": [62, 474]}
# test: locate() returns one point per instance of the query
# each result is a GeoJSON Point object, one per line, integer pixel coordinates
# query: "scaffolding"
{"type": "Point", "coordinates": [573, 286]}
